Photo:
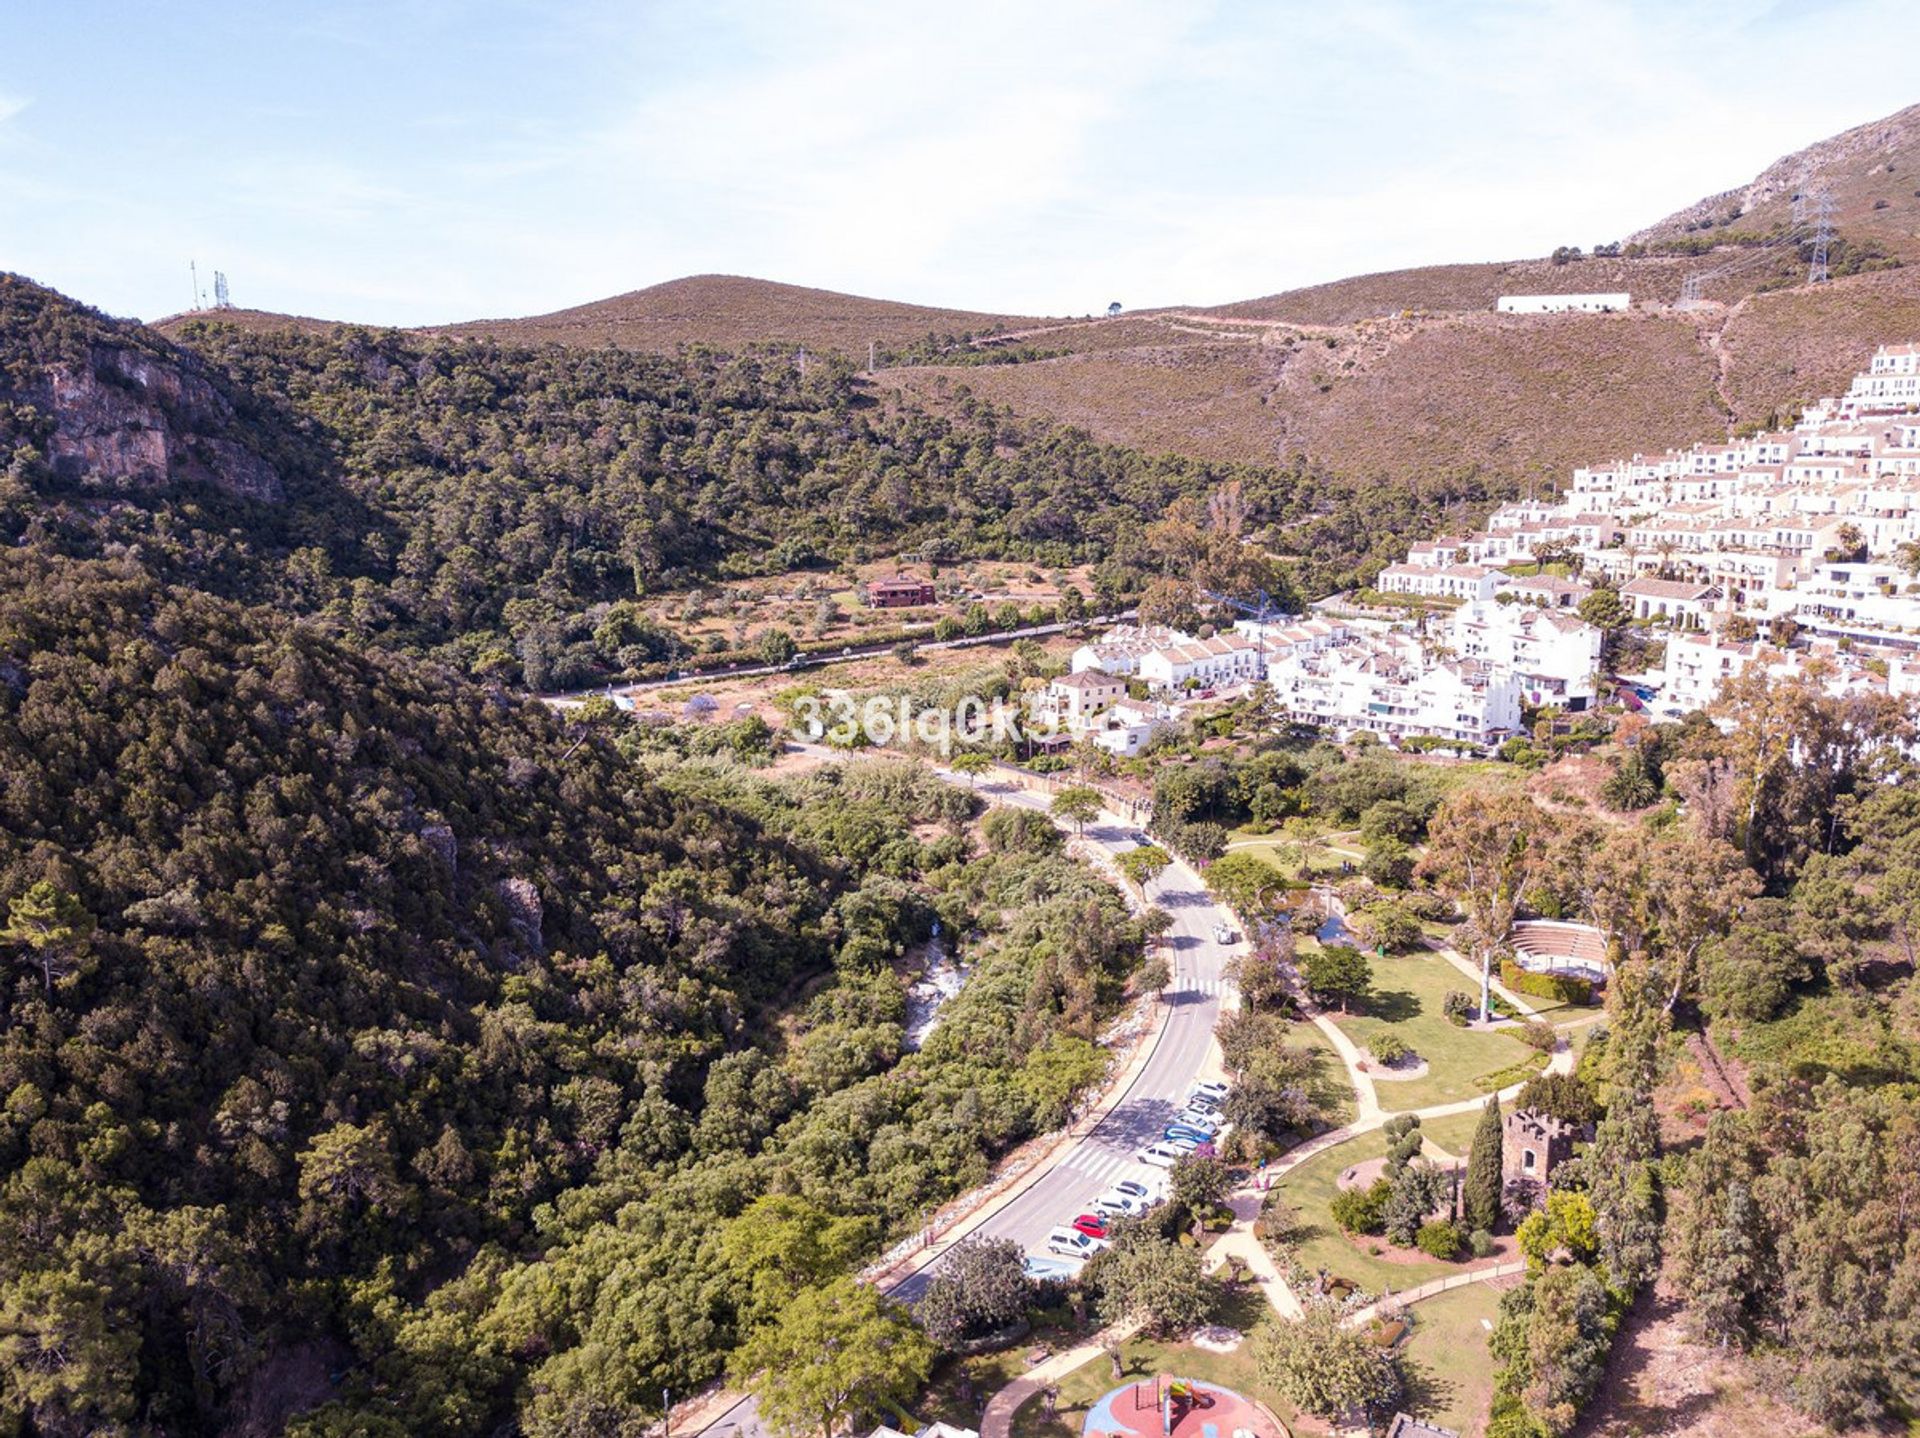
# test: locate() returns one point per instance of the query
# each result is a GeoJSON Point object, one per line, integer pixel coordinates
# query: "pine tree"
{"type": "Point", "coordinates": [1725, 1267]}
{"type": "Point", "coordinates": [1481, 1194]}
{"type": "Point", "coordinates": [1619, 1168]}
{"type": "Point", "coordinates": [52, 926]}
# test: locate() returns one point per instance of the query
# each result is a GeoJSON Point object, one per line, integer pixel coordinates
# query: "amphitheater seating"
{"type": "Point", "coordinates": [1547, 946]}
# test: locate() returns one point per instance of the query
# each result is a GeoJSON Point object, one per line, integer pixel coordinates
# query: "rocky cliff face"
{"type": "Point", "coordinates": [123, 419]}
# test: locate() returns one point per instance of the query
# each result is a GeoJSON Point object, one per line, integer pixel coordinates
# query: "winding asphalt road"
{"type": "Point", "coordinates": [1183, 1054]}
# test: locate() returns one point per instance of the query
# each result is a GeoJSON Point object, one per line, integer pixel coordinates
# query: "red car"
{"type": "Point", "coordinates": [1091, 1224]}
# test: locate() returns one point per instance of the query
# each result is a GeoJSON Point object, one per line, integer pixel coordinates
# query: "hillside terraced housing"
{"type": "Point", "coordinates": [1809, 536]}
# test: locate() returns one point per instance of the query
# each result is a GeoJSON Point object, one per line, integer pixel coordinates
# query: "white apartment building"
{"type": "Point", "coordinates": [1281, 641]}
{"type": "Point", "coordinates": [1867, 604]}
{"type": "Point", "coordinates": [1215, 663]}
{"type": "Point", "coordinates": [1749, 527]}
{"type": "Point", "coordinates": [1554, 656]}
{"type": "Point", "coordinates": [1121, 648]}
{"type": "Point", "coordinates": [1445, 581]}
{"type": "Point", "coordinates": [1131, 725]}
{"type": "Point", "coordinates": [1391, 686]}
{"type": "Point", "coordinates": [1891, 384]}
{"type": "Point", "coordinates": [1075, 701]}
{"type": "Point", "coordinates": [1682, 604]}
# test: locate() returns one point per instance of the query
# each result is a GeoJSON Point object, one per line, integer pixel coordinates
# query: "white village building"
{"type": "Point", "coordinates": [1554, 655]}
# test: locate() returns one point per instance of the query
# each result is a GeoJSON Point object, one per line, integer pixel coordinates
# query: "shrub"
{"type": "Point", "coordinates": [1481, 1242]}
{"type": "Point", "coordinates": [1388, 1048]}
{"type": "Point", "coordinates": [1539, 1034]}
{"type": "Point", "coordinates": [1439, 1239]}
{"type": "Point", "coordinates": [1562, 987]}
{"type": "Point", "coordinates": [1459, 1008]}
{"type": "Point", "coordinates": [1362, 1210]}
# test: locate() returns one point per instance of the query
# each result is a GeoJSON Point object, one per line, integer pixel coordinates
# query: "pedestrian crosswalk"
{"type": "Point", "coordinates": [1098, 1160]}
{"type": "Point", "coordinates": [1187, 984]}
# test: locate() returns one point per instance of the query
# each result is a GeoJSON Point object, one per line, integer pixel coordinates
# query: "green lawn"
{"type": "Point", "coordinates": [1448, 1370]}
{"type": "Point", "coordinates": [1319, 1241]}
{"type": "Point", "coordinates": [1331, 1090]}
{"type": "Point", "coordinates": [1408, 990]}
{"type": "Point", "coordinates": [1269, 851]}
{"type": "Point", "coordinates": [1454, 1133]}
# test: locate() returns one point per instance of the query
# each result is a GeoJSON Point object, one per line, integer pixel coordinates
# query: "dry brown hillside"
{"type": "Point", "coordinates": [731, 310]}
{"type": "Point", "coordinates": [1463, 287]}
{"type": "Point", "coordinates": [1872, 172]}
{"type": "Point", "coordinates": [1401, 373]}
{"type": "Point", "coordinates": [1524, 395]}
{"type": "Point", "coordinates": [1789, 346]}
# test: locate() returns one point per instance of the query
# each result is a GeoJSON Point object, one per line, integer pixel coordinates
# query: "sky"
{"type": "Point", "coordinates": [422, 161]}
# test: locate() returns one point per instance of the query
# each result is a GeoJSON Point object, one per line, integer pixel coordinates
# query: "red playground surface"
{"type": "Point", "coordinates": [1194, 1410]}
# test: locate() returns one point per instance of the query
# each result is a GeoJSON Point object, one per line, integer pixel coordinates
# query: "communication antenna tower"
{"type": "Point", "coordinates": [220, 300]}
{"type": "Point", "coordinates": [1822, 199]}
{"type": "Point", "coordinates": [193, 272]}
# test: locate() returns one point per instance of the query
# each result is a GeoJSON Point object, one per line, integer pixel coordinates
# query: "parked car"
{"type": "Point", "coordinates": [1206, 1120]}
{"type": "Point", "coordinates": [1092, 1224]}
{"type": "Point", "coordinates": [1211, 1089]}
{"type": "Point", "coordinates": [1200, 1103]}
{"type": "Point", "coordinates": [1119, 1205]}
{"type": "Point", "coordinates": [1050, 1268]}
{"type": "Point", "coordinates": [1071, 1243]}
{"type": "Point", "coordinates": [1162, 1154]}
{"type": "Point", "coordinates": [1182, 1133]}
{"type": "Point", "coordinates": [1222, 934]}
{"type": "Point", "coordinates": [1133, 1188]}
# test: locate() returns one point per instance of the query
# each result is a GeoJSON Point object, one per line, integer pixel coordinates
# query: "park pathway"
{"type": "Point", "coordinates": [1362, 1316]}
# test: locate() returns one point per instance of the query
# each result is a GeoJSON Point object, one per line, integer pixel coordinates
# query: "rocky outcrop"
{"type": "Point", "coordinates": [124, 420]}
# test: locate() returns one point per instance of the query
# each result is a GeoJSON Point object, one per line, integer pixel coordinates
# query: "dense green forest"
{"type": "Point", "coordinates": [491, 503]}
{"type": "Point", "coordinates": [360, 1021]}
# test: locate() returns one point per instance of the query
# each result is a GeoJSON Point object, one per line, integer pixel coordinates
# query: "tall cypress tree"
{"type": "Point", "coordinates": [1481, 1196]}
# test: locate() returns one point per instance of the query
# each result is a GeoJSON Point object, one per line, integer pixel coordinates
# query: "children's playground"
{"type": "Point", "coordinates": [1167, 1407]}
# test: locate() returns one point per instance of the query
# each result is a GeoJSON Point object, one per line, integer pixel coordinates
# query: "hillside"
{"type": "Point", "coordinates": [1390, 375]}
{"type": "Point", "coordinates": [1521, 396]}
{"type": "Point", "coordinates": [731, 310]}
{"type": "Point", "coordinates": [1462, 287]}
{"type": "Point", "coordinates": [554, 516]}
{"type": "Point", "coordinates": [1871, 171]}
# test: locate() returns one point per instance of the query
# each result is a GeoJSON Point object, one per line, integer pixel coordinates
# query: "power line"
{"type": "Point", "coordinates": [1822, 236]}
{"type": "Point", "coordinates": [1692, 288]}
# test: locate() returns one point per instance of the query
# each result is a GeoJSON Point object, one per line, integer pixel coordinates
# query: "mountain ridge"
{"type": "Point", "coordinates": [1376, 374]}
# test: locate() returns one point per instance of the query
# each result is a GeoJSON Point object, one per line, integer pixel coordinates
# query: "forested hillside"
{"type": "Point", "coordinates": [349, 1004]}
{"type": "Point", "coordinates": [493, 504]}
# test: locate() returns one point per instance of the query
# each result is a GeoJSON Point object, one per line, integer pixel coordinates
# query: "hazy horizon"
{"type": "Point", "coordinates": [421, 161]}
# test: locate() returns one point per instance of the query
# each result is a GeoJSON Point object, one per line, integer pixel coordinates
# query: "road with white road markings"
{"type": "Point", "coordinates": [1183, 1055]}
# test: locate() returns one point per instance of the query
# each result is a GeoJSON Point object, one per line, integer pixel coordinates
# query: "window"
{"type": "Point", "coordinates": [1526, 1160]}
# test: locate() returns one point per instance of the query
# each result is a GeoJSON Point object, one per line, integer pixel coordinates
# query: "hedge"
{"type": "Point", "coordinates": [1562, 987]}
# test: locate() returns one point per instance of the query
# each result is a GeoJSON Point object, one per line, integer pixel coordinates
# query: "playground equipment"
{"type": "Point", "coordinates": [1164, 1393]}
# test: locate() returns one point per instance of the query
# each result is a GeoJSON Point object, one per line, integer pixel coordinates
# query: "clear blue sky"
{"type": "Point", "coordinates": [413, 161]}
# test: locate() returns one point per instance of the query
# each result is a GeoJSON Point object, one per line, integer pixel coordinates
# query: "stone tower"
{"type": "Point", "coordinates": [1534, 1144]}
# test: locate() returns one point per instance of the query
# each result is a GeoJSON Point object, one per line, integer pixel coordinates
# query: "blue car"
{"type": "Point", "coordinates": [1178, 1132]}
